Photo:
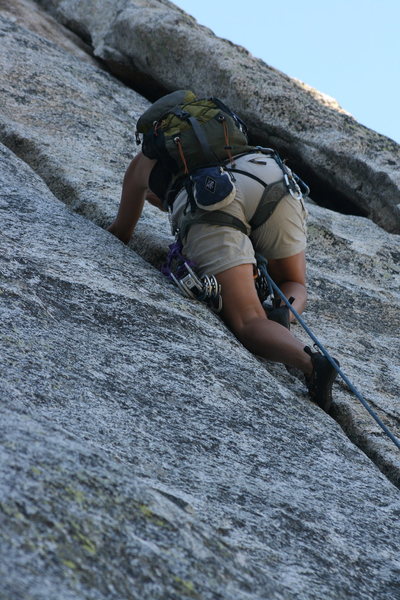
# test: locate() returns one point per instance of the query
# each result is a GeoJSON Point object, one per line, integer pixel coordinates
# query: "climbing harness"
{"type": "Point", "coordinates": [181, 271]}
{"type": "Point", "coordinates": [262, 267]}
{"type": "Point", "coordinates": [270, 198]}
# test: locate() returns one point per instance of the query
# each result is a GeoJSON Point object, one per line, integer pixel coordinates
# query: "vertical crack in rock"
{"type": "Point", "coordinates": [144, 452]}
{"type": "Point", "coordinates": [73, 123]}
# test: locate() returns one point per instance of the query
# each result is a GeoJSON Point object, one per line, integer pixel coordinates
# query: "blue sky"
{"type": "Point", "coordinates": [349, 49]}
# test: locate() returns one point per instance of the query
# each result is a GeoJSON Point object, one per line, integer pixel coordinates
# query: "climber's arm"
{"type": "Point", "coordinates": [134, 191]}
{"type": "Point", "coordinates": [154, 200]}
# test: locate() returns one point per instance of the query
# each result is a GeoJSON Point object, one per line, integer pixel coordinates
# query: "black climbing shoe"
{"type": "Point", "coordinates": [320, 382]}
{"type": "Point", "coordinates": [279, 314]}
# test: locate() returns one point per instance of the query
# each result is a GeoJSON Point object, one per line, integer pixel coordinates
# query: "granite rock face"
{"type": "Point", "coordinates": [349, 167]}
{"type": "Point", "coordinates": [27, 14]}
{"type": "Point", "coordinates": [129, 473]}
{"type": "Point", "coordinates": [145, 454]}
{"type": "Point", "coordinates": [354, 297]}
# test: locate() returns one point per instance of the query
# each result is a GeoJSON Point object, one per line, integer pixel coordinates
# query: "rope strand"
{"type": "Point", "coordinates": [263, 268]}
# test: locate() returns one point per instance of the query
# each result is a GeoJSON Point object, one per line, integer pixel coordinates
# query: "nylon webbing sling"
{"type": "Point", "coordinates": [215, 217]}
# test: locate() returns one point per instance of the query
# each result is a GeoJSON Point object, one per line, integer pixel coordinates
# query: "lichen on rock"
{"type": "Point", "coordinates": [144, 452]}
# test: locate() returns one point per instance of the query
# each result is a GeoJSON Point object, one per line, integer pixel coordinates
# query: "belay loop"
{"type": "Point", "coordinates": [181, 271]}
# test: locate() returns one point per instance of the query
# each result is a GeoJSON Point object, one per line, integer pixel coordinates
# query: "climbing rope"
{"type": "Point", "coordinates": [262, 265]}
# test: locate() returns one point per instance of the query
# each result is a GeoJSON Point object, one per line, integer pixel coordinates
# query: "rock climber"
{"type": "Point", "coordinates": [229, 254]}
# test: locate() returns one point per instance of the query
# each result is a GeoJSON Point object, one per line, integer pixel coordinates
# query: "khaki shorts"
{"type": "Point", "coordinates": [215, 248]}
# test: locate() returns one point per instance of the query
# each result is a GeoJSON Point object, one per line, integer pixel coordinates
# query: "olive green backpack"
{"type": "Point", "coordinates": [186, 133]}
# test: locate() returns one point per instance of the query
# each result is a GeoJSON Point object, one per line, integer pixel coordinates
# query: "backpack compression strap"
{"type": "Point", "coordinates": [199, 133]}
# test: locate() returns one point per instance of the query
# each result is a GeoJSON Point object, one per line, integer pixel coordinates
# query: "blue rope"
{"type": "Point", "coordinates": [262, 265]}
